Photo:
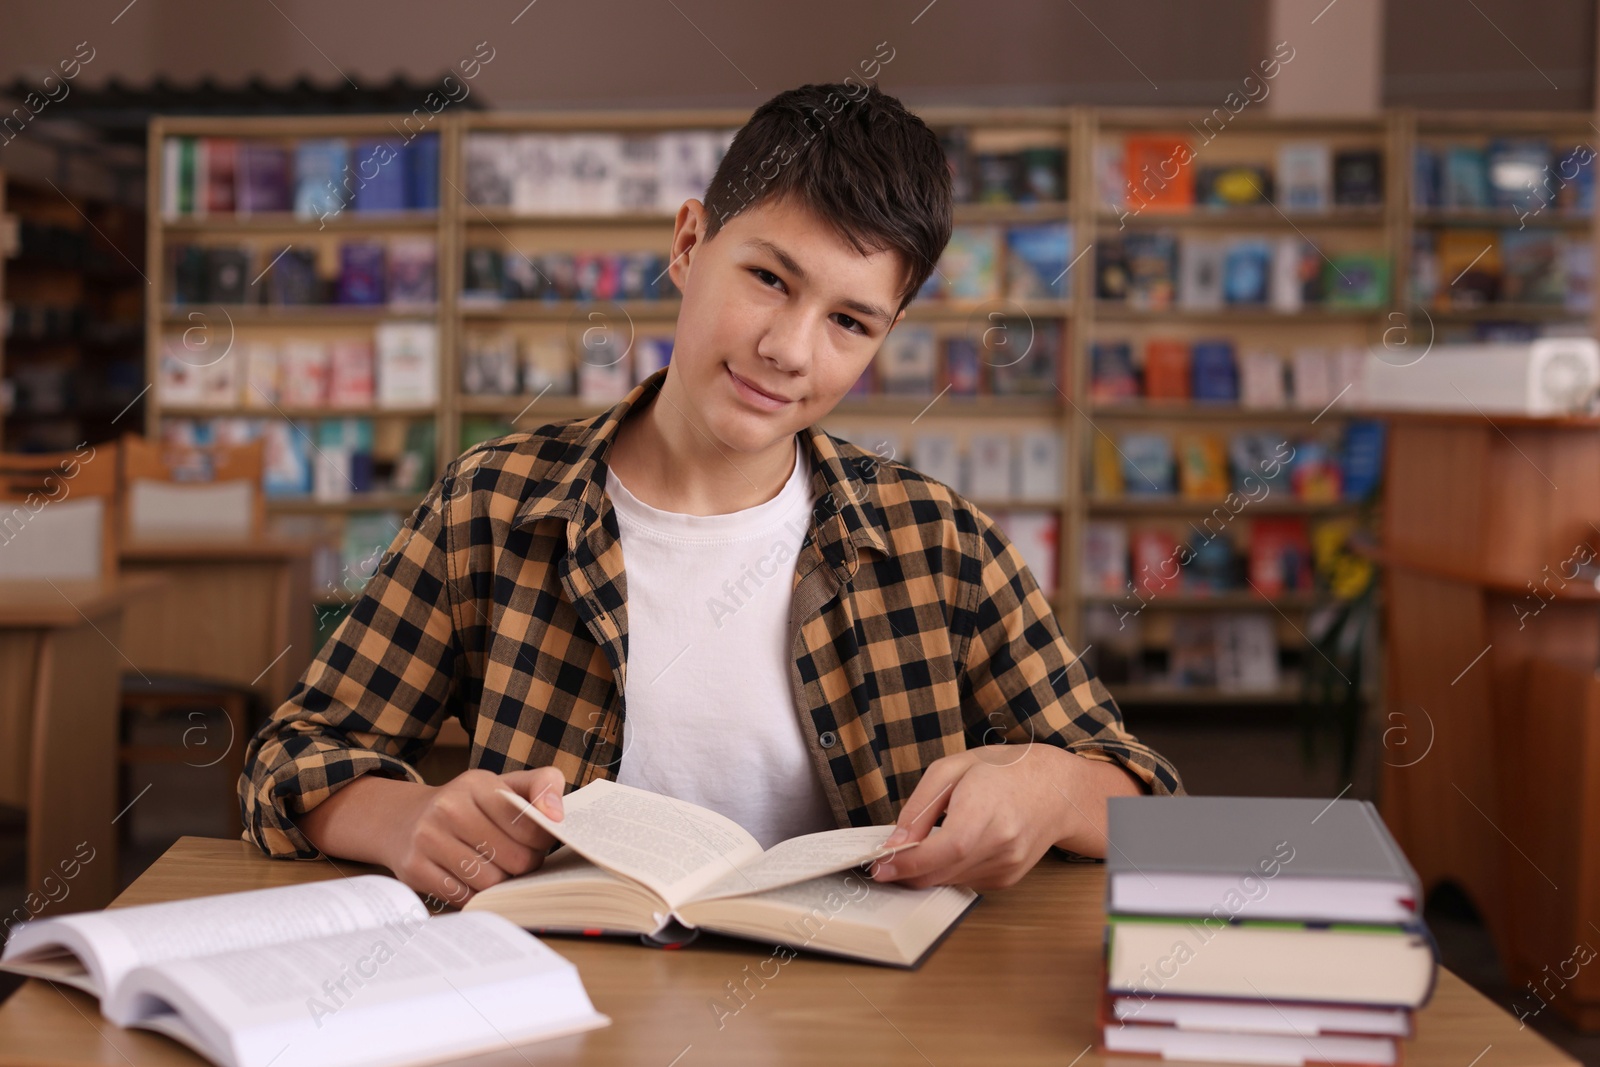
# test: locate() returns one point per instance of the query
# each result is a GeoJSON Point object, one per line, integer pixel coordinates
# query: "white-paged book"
{"type": "Point", "coordinates": [325, 974]}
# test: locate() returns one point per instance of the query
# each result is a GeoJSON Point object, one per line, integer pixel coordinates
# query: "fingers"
{"type": "Point", "coordinates": [928, 800]}
{"type": "Point", "coordinates": [541, 786]}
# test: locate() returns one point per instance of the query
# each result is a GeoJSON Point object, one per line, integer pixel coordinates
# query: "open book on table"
{"type": "Point", "coordinates": [326, 974]}
{"type": "Point", "coordinates": [637, 861]}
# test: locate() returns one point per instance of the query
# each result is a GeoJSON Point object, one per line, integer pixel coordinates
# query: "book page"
{"type": "Point", "coordinates": [477, 980]}
{"type": "Point", "coordinates": [670, 846]}
{"type": "Point", "coordinates": [123, 938]}
{"type": "Point", "coordinates": [802, 858]}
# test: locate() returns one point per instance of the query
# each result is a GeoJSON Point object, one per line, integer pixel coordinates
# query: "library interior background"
{"type": "Point", "coordinates": [1237, 244]}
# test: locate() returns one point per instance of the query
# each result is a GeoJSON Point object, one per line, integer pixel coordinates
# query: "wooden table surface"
{"type": "Point", "coordinates": [45, 603]}
{"type": "Point", "coordinates": [1015, 983]}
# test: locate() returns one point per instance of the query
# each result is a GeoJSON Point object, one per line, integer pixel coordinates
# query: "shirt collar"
{"type": "Point", "coordinates": [573, 487]}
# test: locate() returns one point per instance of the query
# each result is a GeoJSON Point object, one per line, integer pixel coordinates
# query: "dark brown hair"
{"type": "Point", "coordinates": [854, 156]}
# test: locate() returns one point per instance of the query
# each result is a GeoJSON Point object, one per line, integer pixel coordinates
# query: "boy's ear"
{"type": "Point", "coordinates": [688, 232]}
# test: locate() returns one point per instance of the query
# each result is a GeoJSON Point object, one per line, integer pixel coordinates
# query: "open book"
{"type": "Point", "coordinates": [326, 974]}
{"type": "Point", "coordinates": [636, 861]}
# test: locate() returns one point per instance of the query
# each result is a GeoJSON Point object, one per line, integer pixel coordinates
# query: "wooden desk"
{"type": "Point", "coordinates": [1491, 742]}
{"type": "Point", "coordinates": [1015, 983]}
{"type": "Point", "coordinates": [234, 611]}
{"type": "Point", "coordinates": [61, 656]}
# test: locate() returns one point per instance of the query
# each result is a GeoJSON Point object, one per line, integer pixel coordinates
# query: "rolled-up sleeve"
{"type": "Point", "coordinates": [1026, 684]}
{"type": "Point", "coordinates": [374, 697]}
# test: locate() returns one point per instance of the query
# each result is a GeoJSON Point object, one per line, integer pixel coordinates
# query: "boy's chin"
{"type": "Point", "coordinates": [743, 433]}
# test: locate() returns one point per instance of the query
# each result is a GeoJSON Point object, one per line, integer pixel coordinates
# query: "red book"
{"type": "Point", "coordinates": [1280, 555]}
{"type": "Point", "coordinates": [1159, 172]}
{"type": "Point", "coordinates": [1166, 369]}
{"type": "Point", "coordinates": [222, 164]}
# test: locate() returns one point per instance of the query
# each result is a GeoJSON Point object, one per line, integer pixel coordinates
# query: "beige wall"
{"type": "Point", "coordinates": [648, 52]}
{"type": "Point", "coordinates": [608, 53]}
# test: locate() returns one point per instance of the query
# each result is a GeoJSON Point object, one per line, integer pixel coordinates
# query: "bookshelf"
{"type": "Point", "coordinates": [1139, 628]}
{"type": "Point", "coordinates": [476, 215]}
{"type": "Point", "coordinates": [73, 308]}
{"type": "Point", "coordinates": [351, 506]}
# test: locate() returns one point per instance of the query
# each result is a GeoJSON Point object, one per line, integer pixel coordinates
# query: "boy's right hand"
{"type": "Point", "coordinates": [450, 840]}
{"type": "Point", "coordinates": [461, 837]}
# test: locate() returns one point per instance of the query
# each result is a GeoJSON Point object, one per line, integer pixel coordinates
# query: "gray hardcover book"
{"type": "Point", "coordinates": [1300, 859]}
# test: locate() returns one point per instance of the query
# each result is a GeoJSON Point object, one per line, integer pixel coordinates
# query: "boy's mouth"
{"type": "Point", "coordinates": [758, 396]}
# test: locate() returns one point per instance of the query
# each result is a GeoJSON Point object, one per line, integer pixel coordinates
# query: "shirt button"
{"type": "Point", "coordinates": [828, 739]}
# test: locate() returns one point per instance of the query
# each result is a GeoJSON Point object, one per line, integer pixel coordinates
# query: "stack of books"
{"type": "Point", "coordinates": [1260, 930]}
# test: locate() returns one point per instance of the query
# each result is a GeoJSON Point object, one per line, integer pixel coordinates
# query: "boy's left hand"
{"type": "Point", "coordinates": [1004, 806]}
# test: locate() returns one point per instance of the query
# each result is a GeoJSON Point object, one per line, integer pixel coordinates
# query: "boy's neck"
{"type": "Point", "coordinates": [671, 462]}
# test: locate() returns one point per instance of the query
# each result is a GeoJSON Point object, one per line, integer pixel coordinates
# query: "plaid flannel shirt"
{"type": "Point", "coordinates": [918, 632]}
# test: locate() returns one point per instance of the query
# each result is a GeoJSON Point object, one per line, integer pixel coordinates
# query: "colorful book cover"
{"type": "Point", "coordinates": [1534, 267]}
{"type": "Point", "coordinates": [1261, 380]}
{"type": "Point", "coordinates": [1233, 185]}
{"type": "Point", "coordinates": [1034, 370]}
{"type": "Point", "coordinates": [1166, 369]}
{"type": "Point", "coordinates": [970, 263]}
{"type": "Point", "coordinates": [1105, 558]}
{"type": "Point", "coordinates": [1201, 263]}
{"type": "Point", "coordinates": [1280, 555]}
{"type": "Point", "coordinates": [1152, 270]}
{"type": "Point", "coordinates": [1159, 173]}
{"type": "Point", "coordinates": [227, 275]}
{"type": "Point", "coordinates": [1247, 272]}
{"type": "Point", "coordinates": [908, 361]}
{"type": "Point", "coordinates": [1518, 168]}
{"type": "Point", "coordinates": [1362, 458]}
{"type": "Point", "coordinates": [306, 369]}
{"type": "Point", "coordinates": [1148, 468]}
{"type": "Point", "coordinates": [963, 366]}
{"type": "Point", "coordinates": [1112, 375]}
{"type": "Point", "coordinates": [286, 458]}
{"type": "Point", "coordinates": [319, 177]}
{"type": "Point", "coordinates": [1356, 279]}
{"type": "Point", "coordinates": [1111, 270]}
{"type": "Point", "coordinates": [412, 270]}
{"type": "Point", "coordinates": [1215, 373]}
{"type": "Point", "coordinates": [1036, 261]}
{"type": "Point", "coordinates": [1358, 177]}
{"type": "Point", "coordinates": [1315, 473]}
{"type": "Point", "coordinates": [378, 174]}
{"type": "Point", "coordinates": [421, 158]}
{"type": "Point", "coordinates": [1108, 483]}
{"type": "Point", "coordinates": [1202, 466]}
{"type": "Point", "coordinates": [1305, 176]}
{"type": "Point", "coordinates": [263, 182]}
{"type": "Point", "coordinates": [350, 374]}
{"type": "Point", "coordinates": [361, 272]}
{"type": "Point", "coordinates": [222, 167]}
{"type": "Point", "coordinates": [292, 280]}
{"type": "Point", "coordinates": [1469, 267]}
{"type": "Point", "coordinates": [408, 364]}
{"type": "Point", "coordinates": [1427, 178]}
{"type": "Point", "coordinates": [1465, 178]}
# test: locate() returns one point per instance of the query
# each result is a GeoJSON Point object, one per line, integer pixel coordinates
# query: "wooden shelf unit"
{"type": "Point", "coordinates": [1248, 137]}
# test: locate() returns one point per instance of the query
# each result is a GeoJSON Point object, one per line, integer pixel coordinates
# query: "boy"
{"type": "Point", "coordinates": [804, 636]}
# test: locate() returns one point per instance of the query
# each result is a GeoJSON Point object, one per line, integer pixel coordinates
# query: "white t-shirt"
{"type": "Point", "coordinates": [709, 713]}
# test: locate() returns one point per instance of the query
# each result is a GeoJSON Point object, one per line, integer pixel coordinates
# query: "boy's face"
{"type": "Point", "coordinates": [780, 317]}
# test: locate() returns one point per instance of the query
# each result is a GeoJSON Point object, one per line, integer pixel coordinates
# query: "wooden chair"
{"type": "Point", "coordinates": [58, 524]}
{"type": "Point", "coordinates": [191, 493]}
{"type": "Point", "coordinates": [59, 516]}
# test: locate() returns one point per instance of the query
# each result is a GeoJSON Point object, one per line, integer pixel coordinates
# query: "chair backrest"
{"type": "Point", "coordinates": [193, 491]}
{"type": "Point", "coordinates": [58, 514]}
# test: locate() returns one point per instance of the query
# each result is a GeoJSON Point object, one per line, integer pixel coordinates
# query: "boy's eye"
{"type": "Point", "coordinates": [848, 323]}
{"type": "Point", "coordinates": [766, 276]}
